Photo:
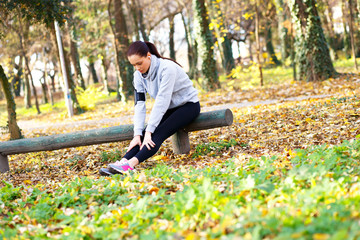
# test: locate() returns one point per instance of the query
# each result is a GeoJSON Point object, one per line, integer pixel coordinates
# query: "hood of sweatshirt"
{"type": "Point", "coordinates": [154, 66]}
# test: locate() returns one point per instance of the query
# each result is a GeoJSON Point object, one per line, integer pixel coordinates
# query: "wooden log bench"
{"type": "Point", "coordinates": [180, 140]}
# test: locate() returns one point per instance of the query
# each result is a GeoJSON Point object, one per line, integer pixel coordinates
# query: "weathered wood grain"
{"type": "Point", "coordinates": [4, 163]}
{"type": "Point", "coordinates": [205, 120]}
{"type": "Point", "coordinates": [67, 140]}
{"type": "Point", "coordinates": [180, 142]}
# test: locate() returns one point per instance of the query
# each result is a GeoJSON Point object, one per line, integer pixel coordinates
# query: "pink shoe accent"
{"type": "Point", "coordinates": [126, 167]}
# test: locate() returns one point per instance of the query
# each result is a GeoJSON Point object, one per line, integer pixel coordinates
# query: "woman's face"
{"type": "Point", "coordinates": [142, 64]}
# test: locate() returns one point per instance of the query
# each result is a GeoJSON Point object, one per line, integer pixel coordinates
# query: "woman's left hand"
{"type": "Point", "coordinates": [147, 141]}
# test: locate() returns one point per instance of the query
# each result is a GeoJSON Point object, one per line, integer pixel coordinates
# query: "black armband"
{"type": "Point", "coordinates": [139, 96]}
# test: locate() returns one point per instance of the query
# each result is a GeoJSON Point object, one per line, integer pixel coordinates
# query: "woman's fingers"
{"type": "Point", "coordinates": [133, 143]}
{"type": "Point", "coordinates": [148, 143]}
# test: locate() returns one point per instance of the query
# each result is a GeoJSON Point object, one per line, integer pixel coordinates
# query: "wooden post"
{"type": "Point", "coordinates": [180, 142]}
{"type": "Point", "coordinates": [4, 163]}
{"type": "Point", "coordinates": [208, 120]}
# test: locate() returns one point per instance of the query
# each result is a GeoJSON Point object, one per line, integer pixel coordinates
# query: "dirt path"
{"type": "Point", "coordinates": [30, 125]}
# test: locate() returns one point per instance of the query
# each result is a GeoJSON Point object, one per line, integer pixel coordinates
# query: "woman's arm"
{"type": "Point", "coordinates": [140, 107]}
{"type": "Point", "coordinates": [163, 97]}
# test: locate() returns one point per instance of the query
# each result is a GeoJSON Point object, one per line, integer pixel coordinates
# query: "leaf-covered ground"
{"type": "Point", "coordinates": [243, 181]}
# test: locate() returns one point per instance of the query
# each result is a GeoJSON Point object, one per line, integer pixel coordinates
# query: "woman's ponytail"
{"type": "Point", "coordinates": [142, 48]}
{"type": "Point", "coordinates": [153, 50]}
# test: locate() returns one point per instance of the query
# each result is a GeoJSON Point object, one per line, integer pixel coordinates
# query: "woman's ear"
{"type": "Point", "coordinates": [149, 55]}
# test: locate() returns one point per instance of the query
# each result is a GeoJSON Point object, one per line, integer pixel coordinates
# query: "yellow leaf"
{"type": "Point", "coordinates": [191, 236]}
{"type": "Point", "coordinates": [213, 137]}
{"type": "Point", "coordinates": [355, 214]}
{"type": "Point", "coordinates": [211, 26]}
{"type": "Point", "coordinates": [231, 83]}
{"type": "Point", "coordinates": [126, 180]}
{"type": "Point", "coordinates": [27, 181]}
{"type": "Point", "coordinates": [308, 120]}
{"type": "Point", "coordinates": [248, 236]}
{"type": "Point", "coordinates": [264, 212]}
{"type": "Point", "coordinates": [159, 157]}
{"type": "Point", "coordinates": [86, 229]}
{"type": "Point", "coordinates": [296, 235]}
{"type": "Point", "coordinates": [320, 236]}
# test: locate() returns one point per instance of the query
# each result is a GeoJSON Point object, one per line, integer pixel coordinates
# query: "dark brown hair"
{"type": "Point", "coordinates": [141, 49]}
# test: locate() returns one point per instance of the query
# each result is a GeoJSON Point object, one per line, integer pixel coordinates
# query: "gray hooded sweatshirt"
{"type": "Point", "coordinates": [168, 84]}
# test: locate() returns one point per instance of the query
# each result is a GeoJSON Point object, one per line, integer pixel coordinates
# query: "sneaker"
{"type": "Point", "coordinates": [105, 172]}
{"type": "Point", "coordinates": [115, 169]}
{"type": "Point", "coordinates": [121, 162]}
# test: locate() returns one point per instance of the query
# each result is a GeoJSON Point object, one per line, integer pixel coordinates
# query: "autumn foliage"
{"type": "Point", "coordinates": [286, 168]}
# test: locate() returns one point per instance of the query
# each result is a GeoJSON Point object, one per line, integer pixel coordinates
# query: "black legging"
{"type": "Point", "coordinates": [173, 120]}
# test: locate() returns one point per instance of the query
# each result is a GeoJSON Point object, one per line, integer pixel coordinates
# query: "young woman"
{"type": "Point", "coordinates": [176, 104]}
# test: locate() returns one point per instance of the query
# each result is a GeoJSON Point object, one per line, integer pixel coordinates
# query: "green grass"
{"type": "Point", "coordinates": [213, 147]}
{"type": "Point", "coordinates": [346, 65]}
{"type": "Point", "coordinates": [248, 77]}
{"type": "Point", "coordinates": [112, 156]}
{"type": "Point", "coordinates": [88, 100]}
{"type": "Point", "coordinates": [44, 108]}
{"type": "Point", "coordinates": [313, 194]}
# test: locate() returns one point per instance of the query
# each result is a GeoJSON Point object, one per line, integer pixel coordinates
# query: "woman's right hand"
{"type": "Point", "coordinates": [135, 141]}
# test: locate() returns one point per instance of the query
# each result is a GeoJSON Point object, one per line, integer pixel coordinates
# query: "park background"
{"type": "Point", "coordinates": [288, 167]}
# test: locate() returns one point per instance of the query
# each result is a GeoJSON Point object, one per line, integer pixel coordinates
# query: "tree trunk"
{"type": "Point", "coordinates": [171, 37]}
{"type": "Point", "coordinates": [329, 26]}
{"type": "Point", "coordinates": [16, 81]}
{"type": "Point", "coordinates": [15, 132]}
{"type": "Point", "coordinates": [122, 42]}
{"type": "Point", "coordinates": [92, 69]}
{"type": "Point", "coordinates": [356, 26]}
{"type": "Point", "coordinates": [223, 41]}
{"type": "Point", "coordinates": [269, 46]}
{"type": "Point", "coordinates": [23, 36]}
{"type": "Point", "coordinates": [282, 30]}
{"type": "Point", "coordinates": [52, 79]}
{"type": "Point", "coordinates": [257, 26]}
{"type": "Point", "coordinates": [141, 22]}
{"type": "Point", "coordinates": [313, 55]}
{"type": "Point", "coordinates": [134, 13]}
{"type": "Point", "coordinates": [44, 98]}
{"type": "Point", "coordinates": [347, 41]}
{"type": "Point", "coordinates": [33, 87]}
{"type": "Point", "coordinates": [105, 75]}
{"type": "Point", "coordinates": [138, 19]}
{"type": "Point", "coordinates": [205, 46]}
{"type": "Point", "coordinates": [228, 54]}
{"type": "Point", "coordinates": [48, 88]}
{"type": "Point", "coordinates": [292, 52]}
{"type": "Point", "coordinates": [250, 50]}
{"type": "Point", "coordinates": [74, 56]}
{"type": "Point", "coordinates": [120, 96]}
{"type": "Point", "coordinates": [192, 50]}
{"type": "Point", "coordinates": [1, 93]}
{"type": "Point", "coordinates": [27, 91]}
{"type": "Point", "coordinates": [351, 22]}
